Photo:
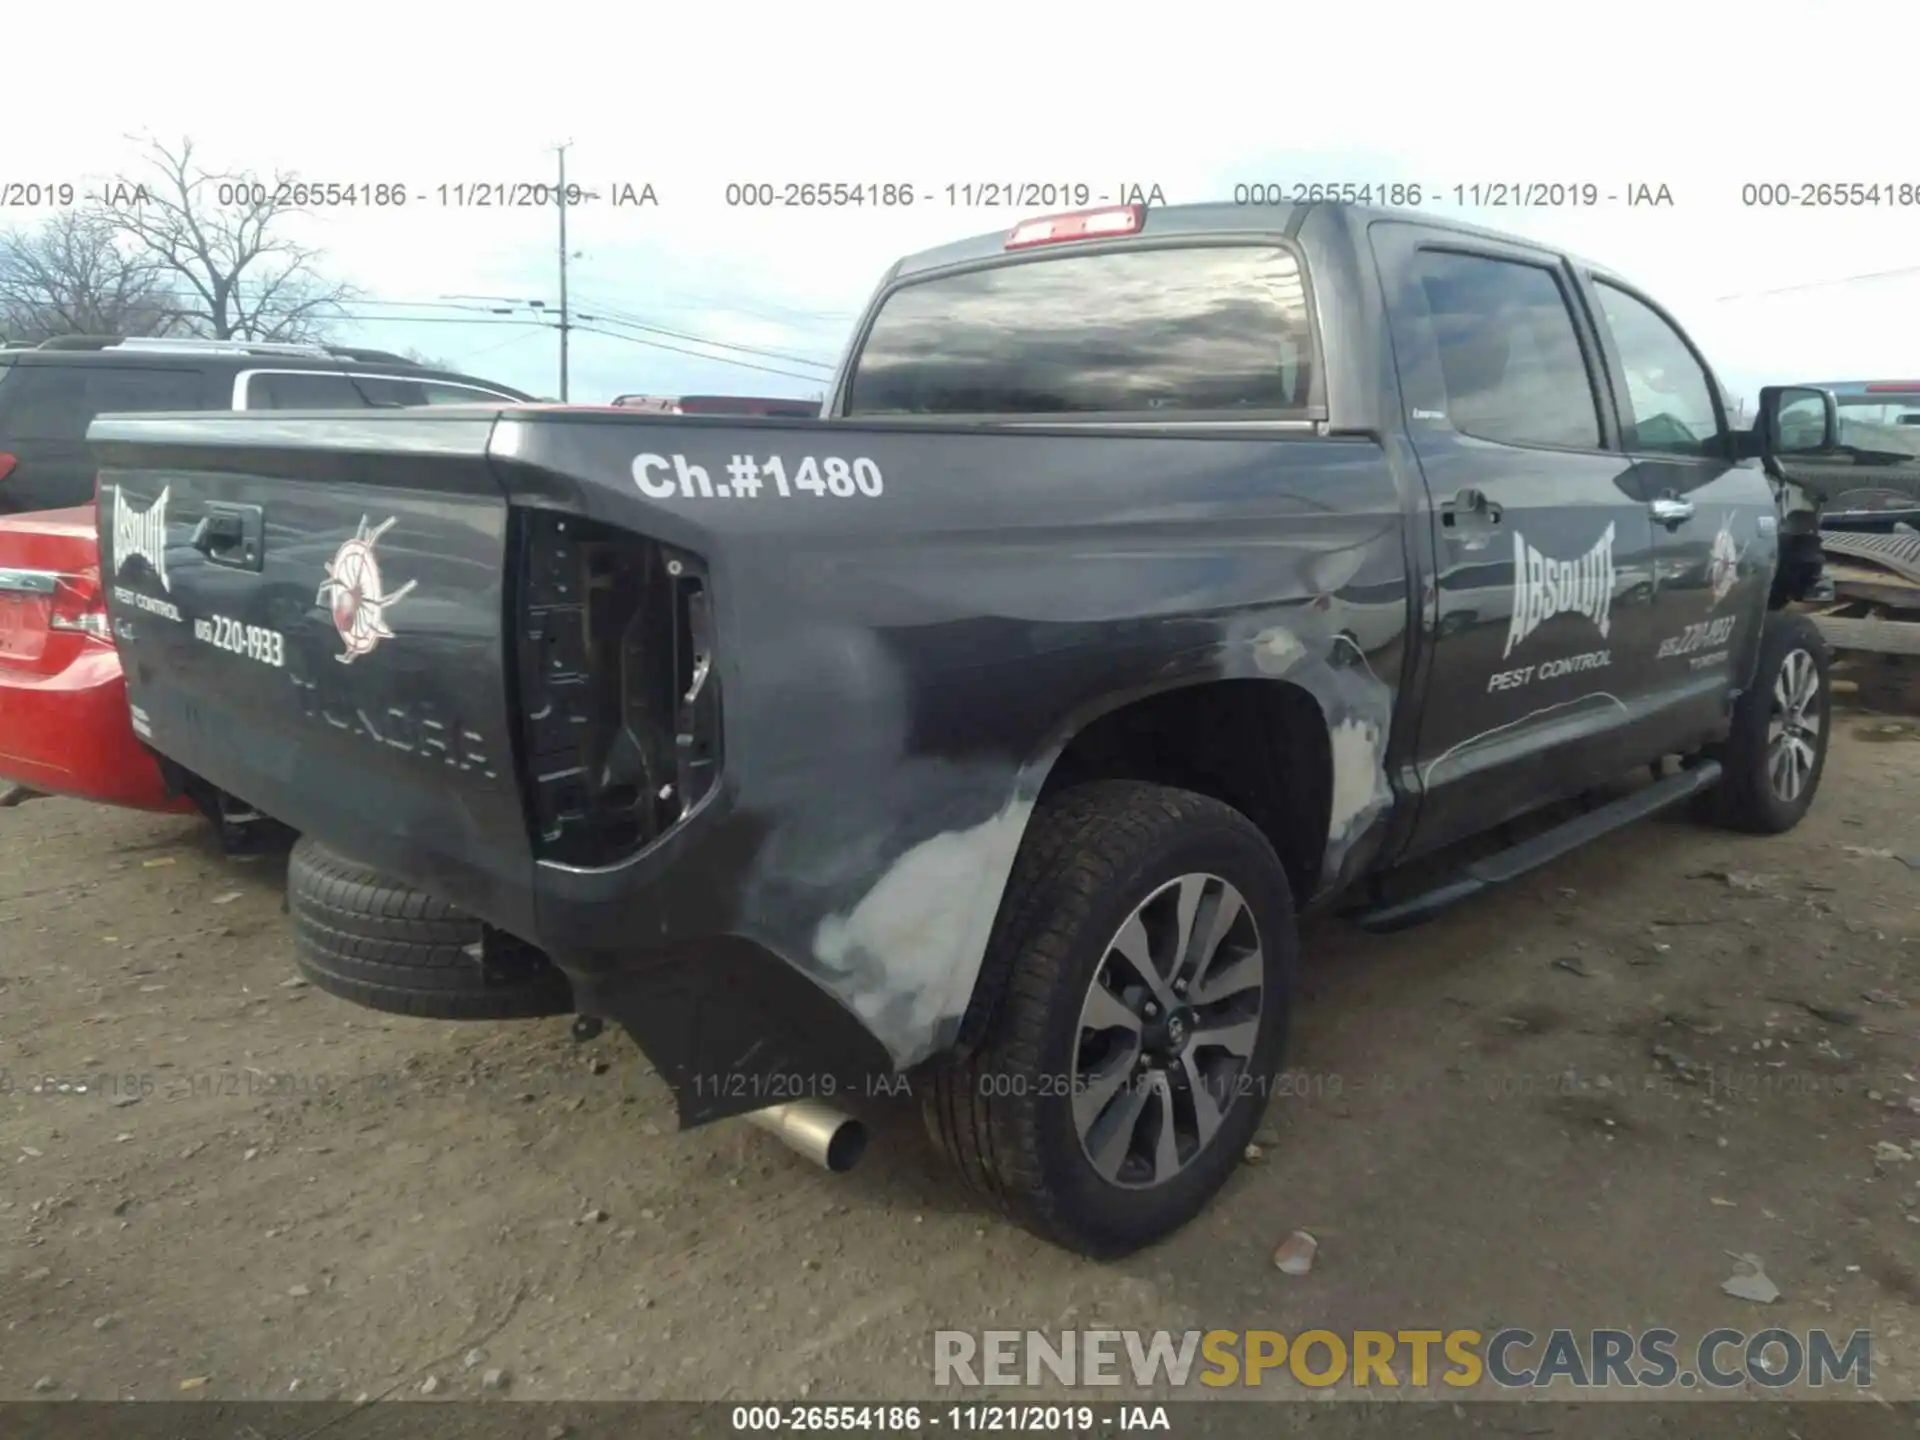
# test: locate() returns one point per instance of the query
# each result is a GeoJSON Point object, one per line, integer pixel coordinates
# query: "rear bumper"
{"type": "Point", "coordinates": [732, 1028]}
{"type": "Point", "coordinates": [71, 734]}
{"type": "Point", "coordinates": [708, 971]}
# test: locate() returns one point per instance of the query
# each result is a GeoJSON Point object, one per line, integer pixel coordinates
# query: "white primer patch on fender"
{"type": "Point", "coordinates": [1359, 776]}
{"type": "Point", "coordinates": [1277, 651]}
{"type": "Point", "coordinates": [922, 930]}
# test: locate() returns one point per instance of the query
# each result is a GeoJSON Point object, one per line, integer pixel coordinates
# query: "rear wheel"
{"type": "Point", "coordinates": [1776, 751]}
{"type": "Point", "coordinates": [1148, 935]}
{"type": "Point", "coordinates": [361, 936]}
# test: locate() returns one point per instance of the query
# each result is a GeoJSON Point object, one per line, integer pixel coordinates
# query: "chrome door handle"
{"type": "Point", "coordinates": [1669, 511]}
{"type": "Point", "coordinates": [1470, 508]}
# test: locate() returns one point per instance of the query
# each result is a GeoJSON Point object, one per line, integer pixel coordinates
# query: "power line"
{"type": "Point", "coordinates": [603, 315]}
{"type": "Point", "coordinates": [1823, 284]}
{"type": "Point", "coordinates": [473, 355]}
{"type": "Point", "coordinates": [489, 304]}
{"type": "Point", "coordinates": [442, 304]}
{"type": "Point", "coordinates": [437, 320]}
{"type": "Point", "coordinates": [615, 317]}
{"type": "Point", "coordinates": [779, 314]}
{"type": "Point", "coordinates": [716, 359]}
{"type": "Point", "coordinates": [618, 317]}
{"type": "Point", "coordinates": [576, 325]}
{"type": "Point", "coordinates": [504, 313]}
{"type": "Point", "coordinates": [507, 305]}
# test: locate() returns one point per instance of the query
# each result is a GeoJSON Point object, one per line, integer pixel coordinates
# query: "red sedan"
{"type": "Point", "coordinates": [64, 724]}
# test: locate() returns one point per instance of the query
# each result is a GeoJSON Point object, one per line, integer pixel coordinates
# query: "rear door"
{"type": "Point", "coordinates": [1540, 614]}
{"type": "Point", "coordinates": [45, 410]}
{"type": "Point", "coordinates": [310, 616]}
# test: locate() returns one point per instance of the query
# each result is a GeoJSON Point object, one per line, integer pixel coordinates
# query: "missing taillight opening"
{"type": "Point", "coordinates": [618, 705]}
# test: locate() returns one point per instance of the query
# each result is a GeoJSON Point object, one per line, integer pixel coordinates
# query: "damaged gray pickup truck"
{"type": "Point", "coordinates": [1152, 576]}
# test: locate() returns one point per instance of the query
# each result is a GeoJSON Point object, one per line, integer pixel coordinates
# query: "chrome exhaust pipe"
{"type": "Point", "coordinates": [831, 1138]}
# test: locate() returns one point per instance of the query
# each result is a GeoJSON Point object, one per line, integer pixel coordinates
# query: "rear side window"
{"type": "Point", "coordinates": [322, 390]}
{"type": "Point", "coordinates": [58, 402]}
{"type": "Point", "coordinates": [1196, 328]}
{"type": "Point", "coordinates": [394, 390]}
{"type": "Point", "coordinates": [387, 390]}
{"type": "Point", "coordinates": [442, 392]}
{"type": "Point", "coordinates": [1509, 355]}
{"type": "Point", "coordinates": [311, 390]}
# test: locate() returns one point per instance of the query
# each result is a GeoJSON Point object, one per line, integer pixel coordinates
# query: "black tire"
{"type": "Point", "coordinates": [1747, 797]}
{"type": "Point", "coordinates": [1089, 858]}
{"type": "Point", "coordinates": [359, 935]}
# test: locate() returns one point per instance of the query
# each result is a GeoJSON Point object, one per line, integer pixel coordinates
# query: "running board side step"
{"type": "Point", "coordinates": [1510, 864]}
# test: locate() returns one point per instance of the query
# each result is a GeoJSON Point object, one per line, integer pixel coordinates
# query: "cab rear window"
{"type": "Point", "coordinates": [1193, 328]}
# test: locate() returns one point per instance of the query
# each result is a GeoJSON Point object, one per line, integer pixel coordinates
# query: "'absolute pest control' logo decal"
{"type": "Point", "coordinates": [142, 534]}
{"type": "Point", "coordinates": [1544, 588]}
{"type": "Point", "coordinates": [353, 592]}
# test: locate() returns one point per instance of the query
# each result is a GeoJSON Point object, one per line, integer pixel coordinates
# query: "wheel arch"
{"type": "Point", "coordinates": [1266, 746]}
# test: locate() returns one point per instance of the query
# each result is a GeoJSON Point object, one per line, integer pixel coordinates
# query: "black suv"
{"type": "Point", "coordinates": [50, 393]}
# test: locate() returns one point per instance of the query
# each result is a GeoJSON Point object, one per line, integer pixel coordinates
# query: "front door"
{"type": "Point", "coordinates": [1715, 521]}
{"type": "Point", "coordinates": [1540, 616]}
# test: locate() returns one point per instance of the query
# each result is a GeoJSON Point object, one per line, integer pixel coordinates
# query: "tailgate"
{"type": "Point", "coordinates": [309, 611]}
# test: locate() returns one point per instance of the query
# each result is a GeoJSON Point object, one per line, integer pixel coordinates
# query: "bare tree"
{"type": "Point", "coordinates": [216, 239]}
{"type": "Point", "coordinates": [73, 275]}
{"type": "Point", "coordinates": [431, 362]}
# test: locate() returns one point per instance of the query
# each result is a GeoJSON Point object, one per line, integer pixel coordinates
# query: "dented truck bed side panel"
{"type": "Point", "coordinates": [898, 673]}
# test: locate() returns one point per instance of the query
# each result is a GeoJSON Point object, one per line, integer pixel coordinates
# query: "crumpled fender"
{"type": "Point", "coordinates": [912, 855]}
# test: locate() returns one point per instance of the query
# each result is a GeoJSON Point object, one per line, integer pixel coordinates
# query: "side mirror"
{"type": "Point", "coordinates": [1797, 420]}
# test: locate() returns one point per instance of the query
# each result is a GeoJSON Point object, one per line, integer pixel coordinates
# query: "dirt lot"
{"type": "Point", "coordinates": [1562, 1106]}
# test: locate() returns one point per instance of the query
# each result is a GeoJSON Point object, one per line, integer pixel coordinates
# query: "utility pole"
{"type": "Point", "coordinates": [565, 316]}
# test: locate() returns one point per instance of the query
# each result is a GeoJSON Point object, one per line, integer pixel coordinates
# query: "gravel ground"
{"type": "Point", "coordinates": [1564, 1105]}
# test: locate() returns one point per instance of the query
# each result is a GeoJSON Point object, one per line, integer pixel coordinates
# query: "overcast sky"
{"type": "Point", "coordinates": [1701, 98]}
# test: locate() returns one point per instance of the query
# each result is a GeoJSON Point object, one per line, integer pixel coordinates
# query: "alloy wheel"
{"type": "Point", "coordinates": [1167, 1031]}
{"type": "Point", "coordinates": [1793, 726]}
